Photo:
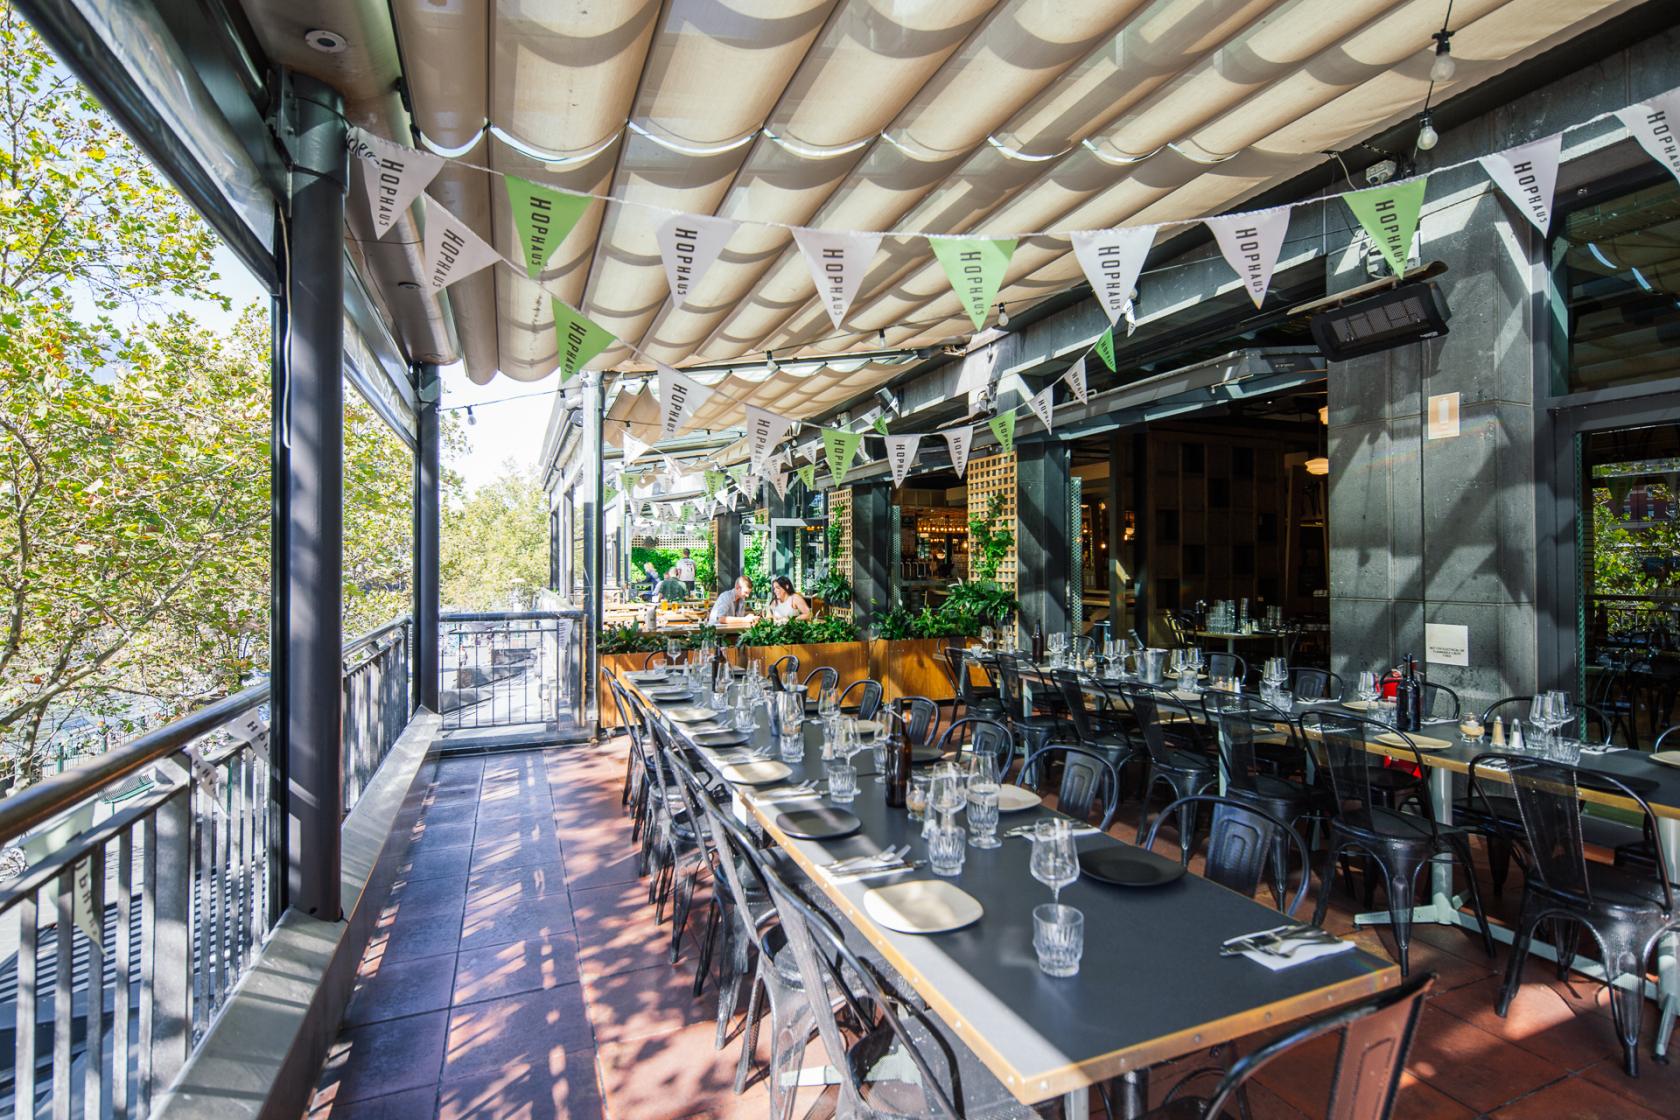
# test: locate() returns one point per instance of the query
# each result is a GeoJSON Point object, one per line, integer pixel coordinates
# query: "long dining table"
{"type": "Point", "coordinates": [1152, 986]}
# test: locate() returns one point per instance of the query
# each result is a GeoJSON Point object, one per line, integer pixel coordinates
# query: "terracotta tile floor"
{"type": "Point", "coordinates": [518, 972]}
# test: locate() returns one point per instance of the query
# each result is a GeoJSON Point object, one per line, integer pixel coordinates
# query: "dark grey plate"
{"type": "Point", "coordinates": [719, 738]}
{"type": "Point", "coordinates": [1129, 867]}
{"type": "Point", "coordinates": [818, 824]}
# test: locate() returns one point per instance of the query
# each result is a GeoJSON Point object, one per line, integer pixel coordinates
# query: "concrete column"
{"type": "Point", "coordinates": [309, 408]}
{"type": "Point", "coordinates": [1442, 530]}
{"type": "Point", "coordinates": [1041, 535]}
{"type": "Point", "coordinates": [726, 536]}
{"type": "Point", "coordinates": [427, 527]}
{"type": "Point", "coordinates": [872, 549]}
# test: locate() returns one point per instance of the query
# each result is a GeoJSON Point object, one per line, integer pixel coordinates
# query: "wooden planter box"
{"type": "Point", "coordinates": [619, 663]}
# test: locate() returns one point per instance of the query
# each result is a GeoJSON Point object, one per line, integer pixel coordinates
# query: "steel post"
{"type": "Point", "coordinates": [310, 404]}
{"type": "Point", "coordinates": [427, 526]}
{"type": "Point", "coordinates": [594, 601]}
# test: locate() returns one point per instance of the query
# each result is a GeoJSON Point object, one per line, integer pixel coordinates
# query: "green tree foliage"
{"type": "Point", "coordinates": [495, 544]}
{"type": "Point", "coordinates": [378, 520]}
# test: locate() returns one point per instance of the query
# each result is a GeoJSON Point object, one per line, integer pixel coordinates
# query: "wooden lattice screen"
{"type": "Point", "coordinates": [993, 475]}
{"type": "Point", "coordinates": [840, 505]}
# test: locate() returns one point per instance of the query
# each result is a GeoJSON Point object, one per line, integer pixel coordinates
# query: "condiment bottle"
{"type": "Point", "coordinates": [1499, 731]}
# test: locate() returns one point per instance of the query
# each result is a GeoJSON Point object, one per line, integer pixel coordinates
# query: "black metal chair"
{"type": "Point", "coordinates": [975, 699]}
{"type": "Point", "coordinates": [921, 719]}
{"type": "Point", "coordinates": [1372, 1040]}
{"type": "Point", "coordinates": [1440, 702]}
{"type": "Point", "coordinates": [1032, 730]}
{"type": "Point", "coordinates": [1308, 683]}
{"type": "Point", "coordinates": [1111, 742]}
{"type": "Point", "coordinates": [785, 667]}
{"type": "Point", "coordinates": [1399, 845]}
{"type": "Point", "coordinates": [1641, 853]}
{"type": "Point", "coordinates": [868, 701]}
{"type": "Point", "coordinates": [1625, 912]}
{"type": "Point", "coordinates": [1185, 771]}
{"type": "Point", "coordinates": [1089, 779]}
{"type": "Point", "coordinates": [1590, 723]}
{"type": "Point", "coordinates": [981, 735]}
{"type": "Point", "coordinates": [1243, 840]}
{"type": "Point", "coordinates": [1249, 782]}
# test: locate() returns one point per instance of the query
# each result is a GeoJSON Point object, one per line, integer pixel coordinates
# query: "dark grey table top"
{"type": "Point", "coordinates": [1151, 987]}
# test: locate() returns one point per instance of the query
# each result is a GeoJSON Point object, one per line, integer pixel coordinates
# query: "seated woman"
{"type": "Point", "coordinates": [787, 603]}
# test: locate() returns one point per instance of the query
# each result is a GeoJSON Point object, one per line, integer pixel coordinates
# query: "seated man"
{"type": "Point", "coordinates": [672, 589]}
{"type": "Point", "coordinates": [732, 603]}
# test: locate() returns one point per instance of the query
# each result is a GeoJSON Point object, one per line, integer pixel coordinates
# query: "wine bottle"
{"type": "Point", "coordinates": [1417, 694]}
{"type": "Point", "coordinates": [1038, 645]}
{"type": "Point", "coordinates": [1405, 698]}
{"type": "Point", "coordinates": [898, 763]}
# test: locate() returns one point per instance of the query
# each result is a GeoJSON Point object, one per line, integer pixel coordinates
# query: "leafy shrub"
{"type": "Point", "coordinates": [796, 631]}
{"type": "Point", "coordinates": [629, 638]}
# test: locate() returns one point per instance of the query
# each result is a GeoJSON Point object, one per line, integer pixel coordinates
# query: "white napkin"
{"type": "Point", "coordinates": [1300, 956]}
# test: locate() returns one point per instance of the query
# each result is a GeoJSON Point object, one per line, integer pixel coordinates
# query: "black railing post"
{"type": "Point", "coordinates": [427, 524]}
{"type": "Point", "coordinates": [310, 403]}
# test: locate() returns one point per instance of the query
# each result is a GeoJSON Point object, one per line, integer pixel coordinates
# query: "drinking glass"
{"type": "Point", "coordinates": [673, 651]}
{"type": "Point", "coordinates": [1563, 711]}
{"type": "Point", "coordinates": [1059, 938]}
{"type": "Point", "coordinates": [744, 720]}
{"type": "Point", "coordinates": [1055, 860]}
{"type": "Point", "coordinates": [946, 849]}
{"type": "Point", "coordinates": [878, 755]}
{"type": "Point", "coordinates": [916, 798]}
{"type": "Point", "coordinates": [945, 792]}
{"type": "Point", "coordinates": [842, 780]}
{"type": "Point", "coordinates": [828, 702]}
{"type": "Point", "coordinates": [982, 814]}
{"type": "Point", "coordinates": [1366, 689]}
{"type": "Point", "coordinates": [987, 634]}
{"type": "Point", "coordinates": [1177, 661]}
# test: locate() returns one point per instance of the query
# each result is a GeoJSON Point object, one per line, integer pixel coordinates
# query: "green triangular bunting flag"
{"type": "Point", "coordinates": [738, 474]}
{"type": "Point", "coordinates": [881, 424]}
{"type": "Point", "coordinates": [808, 475]}
{"type": "Point", "coordinates": [1389, 214]}
{"type": "Point", "coordinates": [975, 267]}
{"type": "Point", "coordinates": [543, 216]}
{"type": "Point", "coordinates": [1003, 427]}
{"type": "Point", "coordinates": [839, 446]}
{"type": "Point", "coordinates": [1105, 348]}
{"type": "Point", "coordinates": [714, 481]}
{"type": "Point", "coordinates": [578, 338]}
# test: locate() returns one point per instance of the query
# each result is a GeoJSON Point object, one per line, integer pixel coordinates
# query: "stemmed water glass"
{"type": "Point", "coordinates": [1563, 712]}
{"type": "Point", "coordinates": [1055, 860]}
{"type": "Point", "coordinates": [982, 811]}
{"type": "Point", "coordinates": [987, 636]}
{"type": "Point", "coordinates": [1366, 689]}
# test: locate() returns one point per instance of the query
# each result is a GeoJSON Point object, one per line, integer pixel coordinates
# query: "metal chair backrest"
{"type": "Point", "coordinates": [1227, 667]}
{"type": "Point", "coordinates": [825, 676]}
{"type": "Point", "coordinates": [827, 964]}
{"type": "Point", "coordinates": [1009, 685]}
{"type": "Point", "coordinates": [1072, 687]}
{"type": "Point", "coordinates": [785, 667]}
{"type": "Point", "coordinates": [1440, 702]}
{"type": "Point", "coordinates": [1314, 684]}
{"type": "Point", "coordinates": [980, 735]}
{"type": "Point", "coordinates": [1337, 743]}
{"type": "Point", "coordinates": [1241, 840]}
{"type": "Point", "coordinates": [1548, 800]}
{"type": "Point", "coordinates": [921, 719]}
{"type": "Point", "coordinates": [1591, 721]}
{"type": "Point", "coordinates": [1149, 706]}
{"type": "Point", "coordinates": [1087, 779]}
{"type": "Point", "coordinates": [868, 697]}
{"type": "Point", "coordinates": [1374, 1038]}
{"type": "Point", "coordinates": [956, 667]}
{"type": "Point", "coordinates": [1237, 760]}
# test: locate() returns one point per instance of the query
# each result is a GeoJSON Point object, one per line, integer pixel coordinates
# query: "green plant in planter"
{"type": "Point", "coordinates": [978, 603]}
{"type": "Point", "coordinates": [699, 636]}
{"type": "Point", "coordinates": [796, 631]}
{"type": "Point", "coordinates": [990, 542]}
{"type": "Point", "coordinates": [629, 638]}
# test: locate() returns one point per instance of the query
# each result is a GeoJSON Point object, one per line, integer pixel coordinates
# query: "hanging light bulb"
{"type": "Point", "coordinates": [1443, 68]}
{"type": "Point", "coordinates": [470, 418]}
{"type": "Point", "coordinates": [1003, 316]}
{"type": "Point", "coordinates": [1427, 137]}
{"type": "Point", "coordinates": [770, 362]}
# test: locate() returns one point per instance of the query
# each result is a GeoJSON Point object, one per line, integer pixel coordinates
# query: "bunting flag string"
{"type": "Point", "coordinates": [839, 446]}
{"type": "Point", "coordinates": [542, 216]}
{"type": "Point", "coordinates": [1075, 377]}
{"type": "Point", "coordinates": [1251, 244]}
{"type": "Point", "coordinates": [779, 479]}
{"type": "Point", "coordinates": [901, 455]}
{"type": "Point", "coordinates": [1113, 261]}
{"type": "Point", "coordinates": [393, 175]}
{"type": "Point", "coordinates": [1390, 215]}
{"type": "Point", "coordinates": [679, 396]}
{"type": "Point", "coordinates": [958, 440]}
{"type": "Point", "coordinates": [1652, 123]}
{"type": "Point", "coordinates": [1528, 176]}
{"type": "Point", "coordinates": [808, 475]}
{"type": "Point", "coordinates": [1043, 405]}
{"type": "Point", "coordinates": [1105, 349]}
{"type": "Point", "coordinates": [837, 262]}
{"type": "Point", "coordinates": [689, 244]}
{"type": "Point", "coordinates": [975, 267]}
{"type": "Point", "coordinates": [452, 250]}
{"type": "Point", "coordinates": [1003, 427]}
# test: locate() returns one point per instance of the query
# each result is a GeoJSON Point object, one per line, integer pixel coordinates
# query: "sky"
{"type": "Point", "coordinates": [501, 428]}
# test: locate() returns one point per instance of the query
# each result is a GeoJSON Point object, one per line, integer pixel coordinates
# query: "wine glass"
{"type": "Point", "coordinates": [1366, 689]}
{"type": "Point", "coordinates": [1563, 712]}
{"type": "Point", "coordinates": [1055, 861]}
{"type": "Point", "coordinates": [673, 651]}
{"type": "Point", "coordinates": [946, 793]}
{"type": "Point", "coordinates": [987, 634]}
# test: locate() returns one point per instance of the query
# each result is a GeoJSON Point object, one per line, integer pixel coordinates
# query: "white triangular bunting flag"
{"type": "Point", "coordinates": [1653, 124]}
{"type": "Point", "coordinates": [1112, 260]}
{"type": "Point", "coordinates": [452, 249]}
{"type": "Point", "coordinates": [689, 245]}
{"type": "Point", "coordinates": [1528, 176]}
{"type": "Point", "coordinates": [1251, 243]}
{"type": "Point", "coordinates": [633, 448]}
{"type": "Point", "coordinates": [393, 175]}
{"type": "Point", "coordinates": [901, 455]}
{"type": "Point", "coordinates": [1043, 404]}
{"type": "Point", "coordinates": [779, 479]}
{"type": "Point", "coordinates": [764, 431]}
{"type": "Point", "coordinates": [679, 396]}
{"type": "Point", "coordinates": [837, 262]}
{"type": "Point", "coordinates": [959, 440]}
{"type": "Point", "coordinates": [1075, 377]}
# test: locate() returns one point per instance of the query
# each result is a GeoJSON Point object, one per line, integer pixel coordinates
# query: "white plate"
{"type": "Point", "coordinates": [1012, 799]}
{"type": "Point", "coordinates": [755, 773]}
{"type": "Point", "coordinates": [1666, 758]}
{"type": "Point", "coordinates": [1358, 705]}
{"type": "Point", "coordinates": [867, 726]}
{"type": "Point", "coordinates": [1421, 742]}
{"type": "Point", "coordinates": [691, 715]}
{"type": "Point", "coordinates": [922, 906]}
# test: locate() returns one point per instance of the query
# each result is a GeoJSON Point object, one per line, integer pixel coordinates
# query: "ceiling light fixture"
{"type": "Point", "coordinates": [1003, 315]}
{"type": "Point", "coordinates": [770, 362]}
{"type": "Point", "coordinates": [1427, 137]}
{"type": "Point", "coordinates": [1443, 68]}
{"type": "Point", "coordinates": [471, 419]}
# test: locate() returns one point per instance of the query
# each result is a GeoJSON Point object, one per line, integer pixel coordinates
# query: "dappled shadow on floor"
{"type": "Point", "coordinates": [517, 970]}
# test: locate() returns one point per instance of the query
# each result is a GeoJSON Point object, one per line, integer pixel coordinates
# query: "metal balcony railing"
{"type": "Point", "coordinates": [510, 677]}
{"type": "Point", "coordinates": [148, 889]}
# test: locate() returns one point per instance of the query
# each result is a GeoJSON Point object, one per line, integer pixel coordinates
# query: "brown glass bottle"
{"type": "Point", "coordinates": [898, 763]}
